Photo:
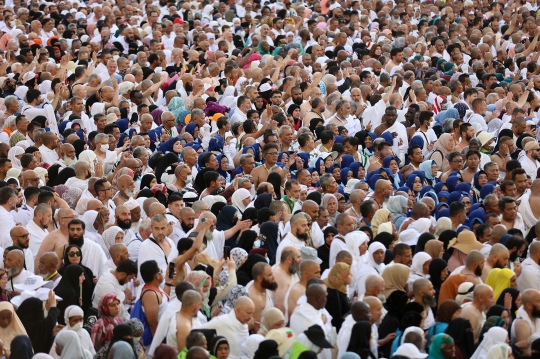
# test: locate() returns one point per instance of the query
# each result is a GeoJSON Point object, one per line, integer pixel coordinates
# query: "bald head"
{"type": "Point", "coordinates": [529, 297]}
{"type": "Point", "coordinates": [498, 250]}
{"type": "Point", "coordinates": [316, 296]}
{"type": "Point", "coordinates": [309, 206]}
{"type": "Point", "coordinates": [360, 311]}
{"type": "Point", "coordinates": [94, 205]}
{"type": "Point", "coordinates": [156, 208]}
{"type": "Point", "coordinates": [481, 291]}
{"type": "Point", "coordinates": [49, 263]}
{"type": "Point", "coordinates": [147, 203]}
{"type": "Point", "coordinates": [197, 353]}
{"type": "Point", "coordinates": [125, 181]}
{"type": "Point", "coordinates": [17, 231]}
{"type": "Point", "coordinates": [117, 249]}
{"type": "Point", "coordinates": [498, 231]}
{"type": "Point", "coordinates": [120, 209]}
{"type": "Point", "coordinates": [190, 297]}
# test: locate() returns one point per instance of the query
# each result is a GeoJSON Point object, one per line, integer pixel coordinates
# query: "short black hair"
{"type": "Point", "coordinates": [45, 196]}
{"type": "Point", "coordinates": [74, 222]}
{"type": "Point", "coordinates": [149, 269]}
{"type": "Point", "coordinates": [128, 266]}
{"type": "Point", "coordinates": [366, 208]}
{"type": "Point", "coordinates": [209, 177]}
{"type": "Point", "coordinates": [456, 208]}
{"type": "Point", "coordinates": [264, 214]}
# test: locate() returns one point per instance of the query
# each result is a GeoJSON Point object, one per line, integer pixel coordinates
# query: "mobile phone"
{"type": "Point", "coordinates": [171, 270]}
{"type": "Point", "coordinates": [226, 252]}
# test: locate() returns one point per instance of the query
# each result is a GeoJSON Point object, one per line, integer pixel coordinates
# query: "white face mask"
{"type": "Point", "coordinates": [136, 339]}
{"type": "Point", "coordinates": [104, 148]}
{"type": "Point", "coordinates": [189, 179]}
{"type": "Point", "coordinates": [77, 327]}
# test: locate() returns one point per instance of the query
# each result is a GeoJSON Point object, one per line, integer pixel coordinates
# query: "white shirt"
{"type": "Point", "coordinates": [238, 116]}
{"type": "Point", "coordinates": [530, 275]}
{"type": "Point", "coordinates": [77, 183]}
{"type": "Point", "coordinates": [49, 156]}
{"type": "Point", "coordinates": [18, 279]}
{"type": "Point", "coordinates": [152, 251]}
{"type": "Point", "coordinates": [37, 235]}
{"type": "Point", "coordinates": [6, 223]}
{"type": "Point", "coordinates": [230, 327]}
{"type": "Point", "coordinates": [93, 257]}
{"type": "Point", "coordinates": [289, 241]}
{"type": "Point", "coordinates": [108, 284]}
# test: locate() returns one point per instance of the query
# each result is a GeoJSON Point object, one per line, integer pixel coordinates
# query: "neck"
{"type": "Point", "coordinates": [416, 164]}
{"type": "Point", "coordinates": [258, 287]}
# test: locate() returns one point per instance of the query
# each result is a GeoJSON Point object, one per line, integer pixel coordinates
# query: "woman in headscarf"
{"type": "Point", "coordinates": [460, 330]}
{"type": "Point", "coordinates": [239, 256]}
{"type": "Point", "coordinates": [226, 220]}
{"type": "Point", "coordinates": [395, 278]}
{"type": "Point", "coordinates": [438, 272]}
{"type": "Point", "coordinates": [430, 170]}
{"type": "Point", "coordinates": [68, 346]}
{"type": "Point", "coordinates": [110, 236]}
{"type": "Point", "coordinates": [10, 326]}
{"type": "Point", "coordinates": [121, 333]}
{"type": "Point", "coordinates": [102, 331]}
{"type": "Point", "coordinates": [176, 105]}
{"type": "Point", "coordinates": [337, 303]}
{"type": "Point", "coordinates": [240, 199]}
{"type": "Point", "coordinates": [413, 317]}
{"type": "Point", "coordinates": [21, 348]}
{"type": "Point", "coordinates": [202, 283]}
{"type": "Point", "coordinates": [493, 336]}
{"type": "Point", "coordinates": [392, 163]}
{"type": "Point", "coordinates": [516, 300]}
{"type": "Point", "coordinates": [443, 147]}
{"type": "Point", "coordinates": [395, 304]}
{"type": "Point", "coordinates": [219, 348]}
{"type": "Point", "coordinates": [94, 225]}
{"type": "Point", "coordinates": [69, 288]}
{"type": "Point", "coordinates": [449, 289]}
{"type": "Point", "coordinates": [360, 340]}
{"type": "Point", "coordinates": [397, 205]}
{"type": "Point", "coordinates": [419, 267]}
{"type": "Point", "coordinates": [500, 279]}
{"type": "Point", "coordinates": [268, 236]}
{"type": "Point", "coordinates": [442, 347]}
{"type": "Point", "coordinates": [381, 216]}
{"type": "Point", "coordinates": [74, 317]}
{"type": "Point", "coordinates": [172, 145]}
{"type": "Point", "coordinates": [294, 112]}
{"type": "Point", "coordinates": [375, 264]}
{"type": "Point", "coordinates": [148, 181]}
{"type": "Point", "coordinates": [272, 319]}
{"type": "Point", "coordinates": [243, 274]}
{"type": "Point", "coordinates": [236, 292]}
{"type": "Point", "coordinates": [446, 312]}
{"type": "Point", "coordinates": [330, 203]}
{"type": "Point", "coordinates": [121, 350]}
{"type": "Point", "coordinates": [38, 327]}
{"type": "Point", "coordinates": [14, 154]}
{"type": "Point", "coordinates": [73, 256]}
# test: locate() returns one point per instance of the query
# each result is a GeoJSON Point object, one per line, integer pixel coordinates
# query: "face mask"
{"type": "Point", "coordinates": [242, 34]}
{"type": "Point", "coordinates": [104, 148]}
{"type": "Point", "coordinates": [136, 339]}
{"type": "Point", "coordinates": [189, 179]}
{"type": "Point", "coordinates": [267, 260]}
{"type": "Point", "coordinates": [77, 327]}
{"type": "Point", "coordinates": [129, 193]}
{"type": "Point", "coordinates": [257, 244]}
{"type": "Point", "coordinates": [431, 124]}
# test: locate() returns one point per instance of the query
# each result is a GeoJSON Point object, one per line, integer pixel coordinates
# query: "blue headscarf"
{"type": "Point", "coordinates": [355, 167]}
{"type": "Point", "coordinates": [438, 187]}
{"type": "Point", "coordinates": [190, 128]}
{"type": "Point", "coordinates": [443, 115]}
{"type": "Point", "coordinates": [426, 167]}
{"type": "Point", "coordinates": [443, 194]}
{"type": "Point", "coordinates": [225, 173]}
{"type": "Point", "coordinates": [305, 158]}
{"type": "Point", "coordinates": [346, 160]}
{"type": "Point", "coordinates": [486, 189]}
{"type": "Point", "coordinates": [193, 145]}
{"type": "Point", "coordinates": [176, 105]}
{"type": "Point", "coordinates": [410, 180]}
{"type": "Point", "coordinates": [461, 109]}
{"type": "Point", "coordinates": [344, 172]}
{"type": "Point", "coordinates": [476, 183]}
{"type": "Point", "coordinates": [445, 212]}
{"type": "Point", "coordinates": [167, 146]}
{"type": "Point", "coordinates": [373, 180]}
{"type": "Point", "coordinates": [451, 183]}
{"type": "Point", "coordinates": [216, 144]}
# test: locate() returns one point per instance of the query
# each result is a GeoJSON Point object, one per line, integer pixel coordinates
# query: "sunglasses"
{"type": "Point", "coordinates": [74, 254]}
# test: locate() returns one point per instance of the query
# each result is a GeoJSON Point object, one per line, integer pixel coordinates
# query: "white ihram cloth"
{"type": "Point", "coordinates": [37, 235]}
{"type": "Point", "coordinates": [305, 316]}
{"type": "Point", "coordinates": [93, 257]}
{"type": "Point", "coordinates": [235, 332]}
{"type": "Point", "coordinates": [6, 223]}
{"type": "Point", "coordinates": [152, 251]}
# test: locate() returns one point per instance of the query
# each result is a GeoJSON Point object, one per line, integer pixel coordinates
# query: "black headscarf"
{"type": "Point", "coordinates": [79, 146]}
{"type": "Point", "coordinates": [53, 173]}
{"type": "Point", "coordinates": [119, 333]}
{"type": "Point", "coordinates": [38, 328]}
{"type": "Point", "coordinates": [63, 176]}
{"type": "Point", "coordinates": [275, 180]}
{"type": "Point", "coordinates": [217, 207]}
{"type": "Point", "coordinates": [446, 237]}
{"type": "Point", "coordinates": [395, 304]}
{"type": "Point", "coordinates": [515, 294]}
{"type": "Point", "coordinates": [226, 220]}
{"type": "Point", "coordinates": [243, 274]}
{"type": "Point", "coordinates": [250, 213]}
{"type": "Point", "coordinates": [246, 240]}
{"type": "Point", "coordinates": [267, 349]}
{"type": "Point", "coordinates": [422, 240]}
{"type": "Point", "coordinates": [164, 162]}
{"type": "Point", "coordinates": [495, 311]}
{"type": "Point", "coordinates": [262, 200]}
{"type": "Point", "coordinates": [146, 179]}
{"type": "Point", "coordinates": [68, 290]}
{"type": "Point", "coordinates": [269, 239]}
{"type": "Point", "coordinates": [215, 343]}
{"type": "Point", "coordinates": [436, 266]}
{"type": "Point", "coordinates": [315, 196]}
{"type": "Point", "coordinates": [359, 343]}
{"type": "Point", "coordinates": [460, 330]}
{"type": "Point", "coordinates": [21, 346]}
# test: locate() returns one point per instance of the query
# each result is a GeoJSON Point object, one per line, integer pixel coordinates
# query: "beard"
{"type": "Point", "coordinates": [14, 270]}
{"type": "Point", "coordinates": [302, 236]}
{"type": "Point", "coordinates": [294, 268]}
{"type": "Point", "coordinates": [478, 272]}
{"type": "Point", "coordinates": [381, 297]}
{"type": "Point", "coordinates": [70, 161]}
{"type": "Point", "coordinates": [498, 265]}
{"type": "Point", "coordinates": [189, 87]}
{"type": "Point", "coordinates": [536, 312]}
{"type": "Point", "coordinates": [186, 227]}
{"type": "Point", "coordinates": [272, 286]}
{"type": "Point", "coordinates": [88, 175]}
{"type": "Point", "coordinates": [209, 236]}
{"type": "Point", "coordinates": [44, 275]}
{"type": "Point", "coordinates": [429, 300]}
{"type": "Point", "coordinates": [78, 241]}
{"type": "Point", "coordinates": [124, 224]}
{"type": "Point", "coordinates": [513, 256]}
{"type": "Point", "coordinates": [23, 246]}
{"type": "Point", "coordinates": [298, 101]}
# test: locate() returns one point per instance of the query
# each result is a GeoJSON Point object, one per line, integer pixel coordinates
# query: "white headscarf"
{"type": "Point", "coordinates": [108, 239]}
{"type": "Point", "coordinates": [418, 262]}
{"type": "Point", "coordinates": [374, 247]}
{"type": "Point", "coordinates": [237, 198]}
{"type": "Point", "coordinates": [70, 344]}
{"type": "Point", "coordinates": [491, 337]}
{"type": "Point", "coordinates": [84, 337]}
{"type": "Point", "coordinates": [21, 92]}
{"type": "Point", "coordinates": [499, 351]}
{"type": "Point", "coordinates": [15, 151]}
{"type": "Point", "coordinates": [411, 329]}
{"type": "Point", "coordinates": [421, 225]}
{"type": "Point", "coordinates": [250, 346]}
{"type": "Point", "coordinates": [88, 156]}
{"type": "Point", "coordinates": [354, 240]}
{"type": "Point", "coordinates": [45, 87]}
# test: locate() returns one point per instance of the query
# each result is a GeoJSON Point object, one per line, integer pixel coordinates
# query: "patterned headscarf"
{"type": "Point", "coordinates": [237, 292]}
{"type": "Point", "coordinates": [71, 196]}
{"type": "Point", "coordinates": [198, 278]}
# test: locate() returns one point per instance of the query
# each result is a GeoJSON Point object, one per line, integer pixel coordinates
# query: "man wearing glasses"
{"type": "Point", "coordinates": [270, 153]}
{"type": "Point", "coordinates": [529, 162]}
{"type": "Point", "coordinates": [21, 239]}
{"type": "Point", "coordinates": [104, 193]}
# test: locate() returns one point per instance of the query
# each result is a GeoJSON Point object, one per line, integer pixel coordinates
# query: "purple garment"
{"type": "Point", "coordinates": [212, 108]}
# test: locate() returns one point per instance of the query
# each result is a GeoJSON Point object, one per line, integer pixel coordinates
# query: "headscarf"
{"type": "Point", "coordinates": [380, 217]}
{"type": "Point", "coordinates": [107, 239]}
{"type": "Point", "coordinates": [515, 294]}
{"type": "Point", "coordinates": [88, 156]}
{"type": "Point", "coordinates": [434, 247]}
{"type": "Point", "coordinates": [446, 311]}
{"type": "Point", "coordinates": [102, 332]}
{"type": "Point", "coordinates": [21, 347]}
{"type": "Point", "coordinates": [439, 341]}
{"type": "Point", "coordinates": [84, 336]}
{"type": "Point", "coordinates": [215, 343]}
{"type": "Point", "coordinates": [436, 267]}
{"type": "Point", "coordinates": [250, 346]}
{"type": "Point", "coordinates": [38, 328]}
{"type": "Point", "coordinates": [492, 337]}
{"type": "Point", "coordinates": [15, 151]}
{"type": "Point", "coordinates": [336, 277]}
{"type": "Point", "coordinates": [492, 321]}
{"type": "Point", "coordinates": [198, 279]}
{"type": "Point", "coordinates": [442, 225]}
{"type": "Point", "coordinates": [418, 262]}
{"type": "Point", "coordinates": [14, 328]}
{"type": "Point", "coordinates": [442, 144]}
{"type": "Point", "coordinates": [460, 330]}
{"type": "Point", "coordinates": [269, 319]}
{"type": "Point", "coordinates": [122, 350]}
{"type": "Point", "coordinates": [449, 289]}
{"type": "Point", "coordinates": [70, 345]}
{"type": "Point", "coordinates": [324, 204]}
{"type": "Point", "coordinates": [499, 280]}
{"type": "Point", "coordinates": [236, 292]}
{"type": "Point", "coordinates": [395, 278]}
{"type": "Point", "coordinates": [238, 196]}
{"type": "Point", "coordinates": [361, 332]}
{"type": "Point", "coordinates": [373, 247]}
{"type": "Point", "coordinates": [176, 105]}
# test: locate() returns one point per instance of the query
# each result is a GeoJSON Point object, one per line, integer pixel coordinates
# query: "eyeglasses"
{"type": "Point", "coordinates": [74, 254]}
{"type": "Point", "coordinates": [105, 189]}
{"type": "Point", "coordinates": [72, 217]}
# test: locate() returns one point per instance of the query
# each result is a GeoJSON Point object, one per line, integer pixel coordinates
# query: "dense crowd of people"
{"type": "Point", "coordinates": [334, 179]}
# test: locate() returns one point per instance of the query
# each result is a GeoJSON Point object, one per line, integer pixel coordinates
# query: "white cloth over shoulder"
{"type": "Point", "coordinates": [231, 328]}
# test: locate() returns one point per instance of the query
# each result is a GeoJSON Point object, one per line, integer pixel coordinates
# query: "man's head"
{"type": "Point", "coordinates": [122, 216]}
{"type": "Point", "coordinates": [483, 297]}
{"type": "Point", "coordinates": [244, 309]}
{"type": "Point", "coordinates": [316, 296]}
{"type": "Point", "coordinates": [290, 257]}
{"type": "Point", "coordinates": [47, 264]}
{"type": "Point", "coordinates": [403, 254]}
{"type": "Point", "coordinates": [20, 237]}
{"type": "Point", "coordinates": [498, 256]}
{"type": "Point", "coordinates": [424, 292]}
{"type": "Point", "coordinates": [262, 275]}
{"type": "Point", "coordinates": [191, 302]}
{"type": "Point", "coordinates": [14, 262]}
{"type": "Point", "coordinates": [475, 262]}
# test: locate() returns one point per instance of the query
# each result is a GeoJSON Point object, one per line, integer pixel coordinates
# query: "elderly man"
{"type": "Point", "coordinates": [14, 266]}
{"type": "Point", "coordinates": [47, 267]}
{"type": "Point", "coordinates": [20, 237]}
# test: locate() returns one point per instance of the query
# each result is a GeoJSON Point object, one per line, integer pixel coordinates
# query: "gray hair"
{"type": "Point", "coordinates": [10, 100]}
{"type": "Point", "coordinates": [448, 125]}
{"type": "Point", "coordinates": [113, 110]}
{"type": "Point", "coordinates": [159, 218]}
{"type": "Point", "coordinates": [283, 128]}
{"type": "Point", "coordinates": [324, 180]}
{"type": "Point", "coordinates": [145, 224]}
{"type": "Point", "coordinates": [197, 112]}
{"type": "Point", "coordinates": [244, 158]}
{"type": "Point", "coordinates": [38, 133]}
{"type": "Point", "coordinates": [101, 136]}
{"type": "Point", "coordinates": [139, 152]}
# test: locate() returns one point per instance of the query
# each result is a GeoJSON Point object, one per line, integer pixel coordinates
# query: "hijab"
{"type": "Point", "coordinates": [499, 280]}
{"type": "Point", "coordinates": [21, 347]}
{"type": "Point", "coordinates": [418, 262]}
{"type": "Point", "coordinates": [449, 289]}
{"type": "Point", "coordinates": [243, 273]}
{"type": "Point", "coordinates": [238, 196]}
{"type": "Point", "coordinates": [198, 279]}
{"type": "Point", "coordinates": [336, 277]}
{"type": "Point", "coordinates": [269, 319]}
{"type": "Point", "coordinates": [380, 217]}
{"type": "Point", "coordinates": [373, 247]}
{"type": "Point", "coordinates": [442, 144]}
{"type": "Point", "coordinates": [236, 292]}
{"type": "Point", "coordinates": [15, 151]}
{"type": "Point", "coordinates": [14, 328]}
{"type": "Point", "coordinates": [108, 239]}
{"type": "Point", "coordinates": [38, 328]}
{"type": "Point", "coordinates": [360, 340]}
{"type": "Point", "coordinates": [515, 294]}
{"type": "Point", "coordinates": [446, 311]}
{"type": "Point", "coordinates": [215, 343]}
{"type": "Point", "coordinates": [460, 330]}
{"type": "Point", "coordinates": [395, 278]}
{"type": "Point", "coordinates": [434, 247]}
{"type": "Point", "coordinates": [439, 342]}
{"type": "Point", "coordinates": [122, 350]}
{"type": "Point", "coordinates": [493, 336]}
{"type": "Point", "coordinates": [70, 345]}
{"type": "Point", "coordinates": [436, 267]}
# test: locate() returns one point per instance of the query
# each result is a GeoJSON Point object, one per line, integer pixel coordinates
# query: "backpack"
{"type": "Point", "coordinates": [138, 312]}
